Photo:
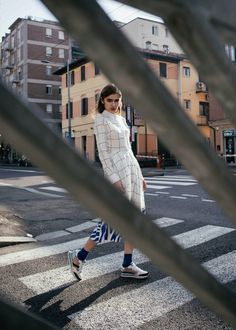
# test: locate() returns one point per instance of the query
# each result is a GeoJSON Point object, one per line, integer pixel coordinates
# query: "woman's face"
{"type": "Point", "coordinates": [112, 103]}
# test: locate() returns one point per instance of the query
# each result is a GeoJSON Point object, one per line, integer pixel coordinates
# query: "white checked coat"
{"type": "Point", "coordinates": [116, 155]}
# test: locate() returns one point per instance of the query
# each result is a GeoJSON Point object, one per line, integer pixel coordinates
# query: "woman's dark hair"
{"type": "Point", "coordinates": [106, 91]}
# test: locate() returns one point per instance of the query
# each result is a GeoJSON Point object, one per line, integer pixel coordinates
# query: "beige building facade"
{"type": "Point", "coordinates": [176, 73]}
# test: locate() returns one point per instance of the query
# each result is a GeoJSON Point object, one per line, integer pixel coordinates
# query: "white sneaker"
{"type": "Point", "coordinates": [133, 271]}
{"type": "Point", "coordinates": [75, 269]}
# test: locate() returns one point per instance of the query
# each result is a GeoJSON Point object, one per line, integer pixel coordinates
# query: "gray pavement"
{"type": "Point", "coordinates": [15, 226]}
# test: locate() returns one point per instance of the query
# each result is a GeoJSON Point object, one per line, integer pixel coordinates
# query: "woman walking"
{"type": "Point", "coordinates": [122, 169]}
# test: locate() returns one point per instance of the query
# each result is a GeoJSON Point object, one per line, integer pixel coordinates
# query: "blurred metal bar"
{"type": "Point", "coordinates": [194, 24]}
{"type": "Point", "coordinates": [87, 23]}
{"type": "Point", "coordinates": [70, 170]}
{"type": "Point", "coordinates": [13, 317]}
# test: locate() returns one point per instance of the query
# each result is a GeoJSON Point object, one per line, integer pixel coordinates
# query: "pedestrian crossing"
{"type": "Point", "coordinates": [130, 308]}
{"type": "Point", "coordinates": [153, 183]}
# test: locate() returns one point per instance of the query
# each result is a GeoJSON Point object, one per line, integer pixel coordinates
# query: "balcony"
{"type": "Point", "coordinates": [202, 120]}
{"type": "Point", "coordinates": [201, 87]}
{"type": "Point", "coordinates": [9, 49]}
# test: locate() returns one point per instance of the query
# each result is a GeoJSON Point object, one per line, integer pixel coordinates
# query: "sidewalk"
{"type": "Point", "coordinates": [11, 229]}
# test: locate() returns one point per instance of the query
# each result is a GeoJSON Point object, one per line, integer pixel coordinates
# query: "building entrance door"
{"type": "Point", "coordinates": [230, 146]}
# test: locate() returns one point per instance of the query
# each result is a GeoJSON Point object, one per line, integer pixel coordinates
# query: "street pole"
{"type": "Point", "coordinates": [69, 106]}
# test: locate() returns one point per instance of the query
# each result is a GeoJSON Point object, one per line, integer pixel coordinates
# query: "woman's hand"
{"type": "Point", "coordinates": [144, 185]}
{"type": "Point", "coordinates": [119, 185]}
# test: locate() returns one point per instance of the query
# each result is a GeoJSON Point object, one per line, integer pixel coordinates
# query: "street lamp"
{"type": "Point", "coordinates": [69, 105]}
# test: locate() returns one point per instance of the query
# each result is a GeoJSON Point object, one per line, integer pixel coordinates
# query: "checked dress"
{"type": "Point", "coordinates": [119, 163]}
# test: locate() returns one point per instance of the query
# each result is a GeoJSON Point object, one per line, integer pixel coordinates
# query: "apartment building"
{"type": "Point", "coordinates": [30, 53]}
{"type": "Point", "coordinates": [222, 130]}
{"type": "Point", "coordinates": [175, 71]}
{"type": "Point", "coordinates": [148, 34]}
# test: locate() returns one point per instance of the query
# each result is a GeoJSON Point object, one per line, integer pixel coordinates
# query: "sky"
{"type": "Point", "coordinates": [10, 10]}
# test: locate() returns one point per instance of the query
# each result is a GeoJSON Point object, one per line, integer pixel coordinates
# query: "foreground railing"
{"type": "Point", "coordinates": [87, 23]}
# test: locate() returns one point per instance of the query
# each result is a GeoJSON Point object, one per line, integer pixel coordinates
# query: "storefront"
{"type": "Point", "coordinates": [229, 146]}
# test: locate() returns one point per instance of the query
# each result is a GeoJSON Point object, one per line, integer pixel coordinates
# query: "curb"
{"type": "Point", "coordinates": [12, 240]}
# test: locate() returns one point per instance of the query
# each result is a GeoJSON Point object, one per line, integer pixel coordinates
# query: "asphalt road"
{"type": "Point", "coordinates": [36, 274]}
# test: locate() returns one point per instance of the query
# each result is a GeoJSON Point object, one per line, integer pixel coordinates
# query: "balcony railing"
{"type": "Point", "coordinates": [202, 120]}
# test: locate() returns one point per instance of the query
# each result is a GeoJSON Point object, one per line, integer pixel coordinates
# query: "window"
{"type": "Point", "coordinates": [60, 108]}
{"type": "Point", "coordinates": [20, 74]}
{"type": "Point", "coordinates": [84, 106]}
{"type": "Point", "coordinates": [48, 51]}
{"type": "Point", "coordinates": [96, 70]}
{"type": "Point", "coordinates": [19, 55]}
{"type": "Point", "coordinates": [166, 48]}
{"type": "Point", "coordinates": [49, 108]}
{"type": "Point", "coordinates": [71, 110]}
{"type": "Point", "coordinates": [155, 30]}
{"type": "Point", "coordinates": [48, 33]}
{"type": "Point", "coordinates": [148, 45]}
{"type": "Point", "coordinates": [204, 109]}
{"type": "Point", "coordinates": [61, 35]}
{"type": "Point", "coordinates": [84, 145]}
{"type": "Point", "coordinates": [82, 73]}
{"type": "Point", "coordinates": [49, 89]}
{"type": "Point", "coordinates": [71, 77]}
{"type": "Point", "coordinates": [163, 70]}
{"type": "Point", "coordinates": [48, 70]}
{"type": "Point", "coordinates": [59, 90]}
{"type": "Point", "coordinates": [61, 53]}
{"type": "Point", "coordinates": [187, 104]}
{"type": "Point", "coordinates": [186, 71]}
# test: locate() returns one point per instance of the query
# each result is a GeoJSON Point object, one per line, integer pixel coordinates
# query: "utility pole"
{"type": "Point", "coordinates": [69, 104]}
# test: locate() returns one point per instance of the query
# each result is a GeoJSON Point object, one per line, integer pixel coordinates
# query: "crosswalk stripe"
{"type": "Point", "coordinates": [149, 301]}
{"type": "Point", "coordinates": [41, 252]}
{"type": "Point", "coordinates": [82, 226]}
{"type": "Point", "coordinates": [169, 179]}
{"type": "Point", "coordinates": [35, 191]}
{"type": "Point", "coordinates": [174, 183]}
{"type": "Point", "coordinates": [52, 279]}
{"type": "Point", "coordinates": [53, 188]}
{"type": "Point", "coordinates": [150, 186]}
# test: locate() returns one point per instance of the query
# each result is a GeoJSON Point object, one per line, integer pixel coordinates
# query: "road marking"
{"type": "Point", "coordinates": [42, 252]}
{"type": "Point", "coordinates": [52, 279]}
{"type": "Point", "coordinates": [189, 195]}
{"type": "Point", "coordinates": [85, 225]}
{"type": "Point", "coordinates": [164, 178]}
{"type": "Point", "coordinates": [150, 194]}
{"type": "Point", "coordinates": [167, 222]}
{"type": "Point", "coordinates": [162, 192]}
{"type": "Point", "coordinates": [6, 184]}
{"type": "Point", "coordinates": [208, 200]}
{"type": "Point", "coordinates": [32, 190]}
{"type": "Point", "coordinates": [174, 183]}
{"type": "Point", "coordinates": [149, 301]}
{"type": "Point", "coordinates": [66, 231]}
{"type": "Point", "coordinates": [178, 197]}
{"type": "Point", "coordinates": [149, 186]}
{"type": "Point", "coordinates": [13, 170]}
{"type": "Point", "coordinates": [53, 188]}
{"type": "Point", "coordinates": [52, 235]}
